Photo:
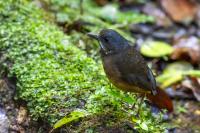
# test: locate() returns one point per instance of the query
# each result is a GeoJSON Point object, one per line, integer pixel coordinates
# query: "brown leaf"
{"type": "Point", "coordinates": [194, 85]}
{"type": "Point", "coordinates": [197, 112]}
{"type": "Point", "coordinates": [180, 10]}
{"type": "Point", "coordinates": [101, 2]}
{"type": "Point", "coordinates": [22, 115]}
{"type": "Point", "coordinates": [187, 49]}
{"type": "Point", "coordinates": [158, 14]}
{"type": "Point", "coordinates": [179, 93]}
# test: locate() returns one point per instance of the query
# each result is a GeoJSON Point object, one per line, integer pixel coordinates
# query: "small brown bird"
{"type": "Point", "coordinates": [123, 64]}
{"type": "Point", "coordinates": [127, 69]}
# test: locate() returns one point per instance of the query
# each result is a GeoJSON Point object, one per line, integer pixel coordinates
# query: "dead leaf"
{"type": "Point", "coordinates": [158, 14]}
{"type": "Point", "coordinates": [180, 10]}
{"type": "Point", "coordinates": [187, 48]}
{"type": "Point", "coordinates": [197, 112]}
{"type": "Point", "coordinates": [101, 2]}
{"type": "Point", "coordinates": [22, 115]}
{"type": "Point", "coordinates": [194, 85]}
{"type": "Point", "coordinates": [179, 93]}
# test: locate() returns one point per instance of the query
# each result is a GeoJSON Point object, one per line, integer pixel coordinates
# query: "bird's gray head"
{"type": "Point", "coordinates": [110, 41]}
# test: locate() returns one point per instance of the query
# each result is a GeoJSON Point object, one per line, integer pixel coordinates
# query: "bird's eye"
{"type": "Point", "coordinates": [106, 39]}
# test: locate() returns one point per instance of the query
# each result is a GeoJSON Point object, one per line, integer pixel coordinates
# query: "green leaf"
{"type": "Point", "coordinates": [195, 73]}
{"type": "Point", "coordinates": [176, 67]}
{"type": "Point", "coordinates": [132, 17]}
{"type": "Point", "coordinates": [110, 11]}
{"type": "Point", "coordinates": [175, 72]}
{"type": "Point", "coordinates": [181, 109]}
{"type": "Point", "coordinates": [75, 115]}
{"type": "Point", "coordinates": [155, 49]}
{"type": "Point", "coordinates": [129, 99]}
{"type": "Point", "coordinates": [144, 126]}
{"type": "Point", "coordinates": [114, 93]}
{"type": "Point", "coordinates": [134, 119]}
{"type": "Point", "coordinates": [169, 79]}
{"type": "Point", "coordinates": [125, 98]}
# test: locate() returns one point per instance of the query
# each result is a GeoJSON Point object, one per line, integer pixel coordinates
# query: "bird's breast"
{"type": "Point", "coordinates": [115, 77]}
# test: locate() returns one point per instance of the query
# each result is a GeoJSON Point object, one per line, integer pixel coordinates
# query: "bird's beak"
{"type": "Point", "coordinates": [93, 36]}
{"type": "Point", "coordinates": [97, 38]}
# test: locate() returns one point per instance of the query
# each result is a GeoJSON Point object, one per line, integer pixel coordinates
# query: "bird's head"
{"type": "Point", "coordinates": [110, 41]}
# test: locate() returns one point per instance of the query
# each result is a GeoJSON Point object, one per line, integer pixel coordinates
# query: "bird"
{"type": "Point", "coordinates": [124, 65]}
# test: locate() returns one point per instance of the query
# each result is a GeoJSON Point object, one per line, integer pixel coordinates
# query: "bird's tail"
{"type": "Point", "coordinates": [161, 100]}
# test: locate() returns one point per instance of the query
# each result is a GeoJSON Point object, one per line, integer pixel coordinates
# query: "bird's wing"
{"type": "Point", "coordinates": [153, 81]}
{"type": "Point", "coordinates": [135, 71]}
{"type": "Point", "coordinates": [137, 80]}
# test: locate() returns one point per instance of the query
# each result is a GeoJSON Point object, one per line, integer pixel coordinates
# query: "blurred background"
{"type": "Point", "coordinates": [38, 88]}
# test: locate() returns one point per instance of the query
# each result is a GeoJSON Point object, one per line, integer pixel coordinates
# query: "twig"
{"type": "Point", "coordinates": [81, 7]}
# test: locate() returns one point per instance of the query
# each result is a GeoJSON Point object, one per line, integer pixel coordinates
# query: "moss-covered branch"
{"type": "Point", "coordinates": [55, 78]}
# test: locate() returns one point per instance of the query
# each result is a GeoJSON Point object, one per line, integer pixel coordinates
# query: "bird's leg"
{"type": "Point", "coordinates": [140, 104]}
{"type": "Point", "coordinates": [133, 105]}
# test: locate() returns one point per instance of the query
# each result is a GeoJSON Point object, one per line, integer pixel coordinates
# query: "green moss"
{"type": "Point", "coordinates": [54, 77]}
